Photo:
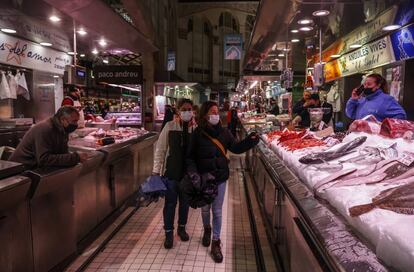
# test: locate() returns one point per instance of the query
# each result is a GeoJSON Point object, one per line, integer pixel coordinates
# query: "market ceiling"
{"type": "Point", "coordinates": [51, 24]}
{"type": "Point", "coordinates": [281, 25]}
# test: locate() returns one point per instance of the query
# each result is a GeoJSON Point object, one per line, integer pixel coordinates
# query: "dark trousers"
{"type": "Point", "coordinates": [173, 194]}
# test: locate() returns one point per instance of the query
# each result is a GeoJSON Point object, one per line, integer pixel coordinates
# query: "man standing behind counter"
{"type": "Point", "coordinates": [46, 143]}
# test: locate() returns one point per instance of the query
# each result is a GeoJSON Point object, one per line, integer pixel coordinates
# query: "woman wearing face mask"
{"type": "Point", "coordinates": [373, 100]}
{"type": "Point", "coordinates": [206, 154]}
{"type": "Point", "coordinates": [169, 161]}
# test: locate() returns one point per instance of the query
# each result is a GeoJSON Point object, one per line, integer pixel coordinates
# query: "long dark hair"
{"type": "Point", "coordinates": [380, 80]}
{"type": "Point", "coordinates": [205, 107]}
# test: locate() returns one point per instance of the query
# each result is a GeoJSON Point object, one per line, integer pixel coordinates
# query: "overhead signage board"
{"type": "Point", "coordinates": [118, 74]}
{"type": "Point", "coordinates": [372, 55]}
{"type": "Point", "coordinates": [21, 53]}
{"type": "Point", "coordinates": [233, 46]}
{"type": "Point", "coordinates": [369, 31]}
{"type": "Point", "coordinates": [403, 43]}
{"type": "Point", "coordinates": [171, 61]}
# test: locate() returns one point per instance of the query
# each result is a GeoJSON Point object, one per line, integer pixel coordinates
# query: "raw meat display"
{"type": "Point", "coordinates": [396, 128]}
{"type": "Point", "coordinates": [369, 125]}
{"type": "Point", "coordinates": [321, 157]}
{"type": "Point", "coordinates": [399, 200]}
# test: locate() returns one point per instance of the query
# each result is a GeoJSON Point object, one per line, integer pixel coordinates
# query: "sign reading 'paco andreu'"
{"type": "Point", "coordinates": [118, 74]}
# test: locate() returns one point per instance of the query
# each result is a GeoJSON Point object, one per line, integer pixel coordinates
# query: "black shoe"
{"type": "Point", "coordinates": [169, 239]}
{"type": "Point", "coordinates": [216, 251]}
{"type": "Point", "coordinates": [206, 236]}
{"type": "Point", "coordinates": [182, 233]}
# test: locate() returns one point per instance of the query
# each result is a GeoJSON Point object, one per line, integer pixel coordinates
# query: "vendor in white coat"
{"type": "Point", "coordinates": [73, 99]}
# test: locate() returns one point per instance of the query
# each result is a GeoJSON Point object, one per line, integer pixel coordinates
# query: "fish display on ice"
{"type": "Point", "coordinates": [373, 155]}
{"type": "Point", "coordinates": [351, 175]}
{"type": "Point", "coordinates": [398, 199]}
{"type": "Point", "coordinates": [345, 149]}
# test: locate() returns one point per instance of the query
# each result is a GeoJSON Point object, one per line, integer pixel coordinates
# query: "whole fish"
{"type": "Point", "coordinates": [331, 178]}
{"type": "Point", "coordinates": [390, 171]}
{"type": "Point", "coordinates": [345, 149]}
{"type": "Point", "coordinates": [399, 199]}
{"type": "Point", "coordinates": [372, 155]}
{"type": "Point", "coordinates": [337, 179]}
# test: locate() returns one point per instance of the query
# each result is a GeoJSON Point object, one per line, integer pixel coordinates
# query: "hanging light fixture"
{"type": "Point", "coordinates": [321, 13]}
{"type": "Point", "coordinates": [305, 21]}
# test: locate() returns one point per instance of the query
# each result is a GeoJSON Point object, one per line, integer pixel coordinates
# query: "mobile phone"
{"type": "Point", "coordinates": [360, 89]}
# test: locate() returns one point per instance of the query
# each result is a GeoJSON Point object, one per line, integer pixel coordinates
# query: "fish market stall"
{"type": "Point", "coordinates": [359, 187]}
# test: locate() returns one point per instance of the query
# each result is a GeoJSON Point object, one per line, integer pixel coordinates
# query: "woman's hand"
{"type": "Point", "coordinates": [355, 94]}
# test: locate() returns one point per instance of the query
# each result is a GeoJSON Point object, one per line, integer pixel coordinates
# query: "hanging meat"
{"type": "Point", "coordinates": [399, 200]}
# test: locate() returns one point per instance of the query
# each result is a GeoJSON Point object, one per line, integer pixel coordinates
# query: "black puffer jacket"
{"type": "Point", "coordinates": [205, 157]}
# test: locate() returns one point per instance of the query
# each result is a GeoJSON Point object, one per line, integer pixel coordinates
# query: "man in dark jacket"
{"type": "Point", "coordinates": [302, 104]}
{"type": "Point", "coordinates": [314, 102]}
{"type": "Point", "coordinates": [46, 144]}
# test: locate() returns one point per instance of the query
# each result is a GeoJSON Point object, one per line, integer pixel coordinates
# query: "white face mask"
{"type": "Point", "coordinates": [214, 119]}
{"type": "Point", "coordinates": [186, 116]}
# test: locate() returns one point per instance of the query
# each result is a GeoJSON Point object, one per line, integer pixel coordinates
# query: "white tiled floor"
{"type": "Point", "coordinates": [138, 246]}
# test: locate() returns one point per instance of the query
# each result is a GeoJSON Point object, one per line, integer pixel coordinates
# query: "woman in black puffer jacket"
{"type": "Point", "coordinates": [205, 156]}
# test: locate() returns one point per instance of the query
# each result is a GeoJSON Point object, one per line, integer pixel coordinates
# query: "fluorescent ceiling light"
{"type": "Point", "coordinates": [71, 53]}
{"type": "Point", "coordinates": [335, 56]}
{"type": "Point", "coordinates": [56, 76]}
{"type": "Point", "coordinates": [82, 32]}
{"type": "Point", "coordinates": [294, 31]}
{"type": "Point", "coordinates": [391, 27]}
{"type": "Point", "coordinates": [320, 13]}
{"type": "Point", "coordinates": [305, 21]}
{"type": "Point", "coordinates": [355, 46]}
{"type": "Point", "coordinates": [102, 42]}
{"type": "Point", "coordinates": [306, 28]}
{"type": "Point", "coordinates": [82, 55]}
{"type": "Point", "coordinates": [281, 55]}
{"type": "Point", "coordinates": [295, 40]}
{"type": "Point", "coordinates": [106, 61]}
{"type": "Point", "coordinates": [8, 30]}
{"type": "Point", "coordinates": [54, 18]}
{"type": "Point", "coordinates": [95, 52]}
{"type": "Point", "coordinates": [286, 49]}
{"type": "Point", "coordinates": [45, 44]}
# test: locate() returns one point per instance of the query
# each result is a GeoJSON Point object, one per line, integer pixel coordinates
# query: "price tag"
{"type": "Point", "coordinates": [407, 158]}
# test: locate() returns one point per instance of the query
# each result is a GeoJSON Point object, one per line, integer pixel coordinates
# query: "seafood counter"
{"type": "Point", "coordinates": [366, 175]}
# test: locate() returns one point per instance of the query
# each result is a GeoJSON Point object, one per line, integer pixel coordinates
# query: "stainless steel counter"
{"type": "Point", "coordinates": [308, 234]}
{"type": "Point", "coordinates": [15, 234]}
{"type": "Point", "coordinates": [45, 214]}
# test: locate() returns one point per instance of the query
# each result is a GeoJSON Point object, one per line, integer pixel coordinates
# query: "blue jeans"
{"type": "Point", "coordinates": [216, 208]}
{"type": "Point", "coordinates": [172, 195]}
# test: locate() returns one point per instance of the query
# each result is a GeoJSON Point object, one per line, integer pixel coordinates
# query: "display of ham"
{"type": "Point", "coordinates": [396, 128]}
{"type": "Point", "coordinates": [399, 199]}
